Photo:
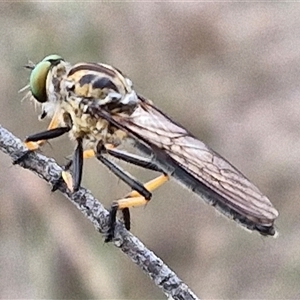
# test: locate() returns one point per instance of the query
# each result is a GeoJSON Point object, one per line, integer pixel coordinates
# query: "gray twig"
{"type": "Point", "coordinates": [48, 169]}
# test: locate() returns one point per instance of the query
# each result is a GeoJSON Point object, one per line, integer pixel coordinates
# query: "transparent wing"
{"type": "Point", "coordinates": [208, 173]}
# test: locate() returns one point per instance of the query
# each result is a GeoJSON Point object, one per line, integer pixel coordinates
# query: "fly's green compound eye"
{"type": "Point", "coordinates": [39, 74]}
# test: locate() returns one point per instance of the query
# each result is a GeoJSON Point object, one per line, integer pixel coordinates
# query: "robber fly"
{"type": "Point", "coordinates": [97, 105]}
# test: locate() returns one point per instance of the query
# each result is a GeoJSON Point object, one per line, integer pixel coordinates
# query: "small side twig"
{"type": "Point", "coordinates": [47, 168]}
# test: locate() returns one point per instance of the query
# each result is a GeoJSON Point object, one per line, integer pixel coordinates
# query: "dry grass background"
{"type": "Point", "coordinates": [229, 72]}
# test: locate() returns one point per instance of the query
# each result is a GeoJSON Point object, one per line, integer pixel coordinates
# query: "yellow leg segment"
{"type": "Point", "coordinates": [91, 153]}
{"type": "Point", "coordinates": [33, 145]}
{"type": "Point", "coordinates": [53, 124]}
{"type": "Point", "coordinates": [67, 178]}
{"type": "Point", "coordinates": [135, 199]}
{"type": "Point", "coordinates": [88, 153]}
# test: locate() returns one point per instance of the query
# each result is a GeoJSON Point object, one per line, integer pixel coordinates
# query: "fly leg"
{"type": "Point", "coordinates": [41, 137]}
{"type": "Point", "coordinates": [48, 134]}
{"type": "Point", "coordinates": [135, 198]}
{"type": "Point", "coordinates": [133, 183]}
{"type": "Point", "coordinates": [109, 149]}
{"type": "Point", "coordinates": [133, 159]}
{"type": "Point", "coordinates": [73, 182]}
{"type": "Point", "coordinates": [34, 141]}
{"type": "Point", "coordinates": [35, 144]}
{"type": "Point", "coordinates": [124, 176]}
{"type": "Point", "coordinates": [140, 195]}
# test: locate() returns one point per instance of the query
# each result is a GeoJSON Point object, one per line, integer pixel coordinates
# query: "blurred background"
{"type": "Point", "coordinates": [230, 74]}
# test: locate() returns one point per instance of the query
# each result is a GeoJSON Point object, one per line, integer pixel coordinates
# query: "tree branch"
{"type": "Point", "coordinates": [48, 169]}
